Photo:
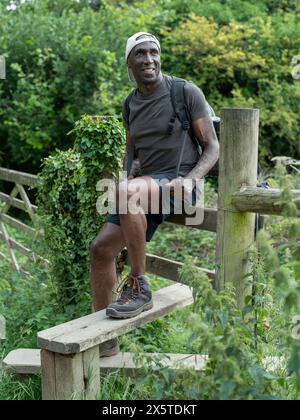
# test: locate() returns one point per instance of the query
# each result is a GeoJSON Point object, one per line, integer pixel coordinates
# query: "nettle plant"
{"type": "Point", "coordinates": [67, 198]}
{"type": "Point", "coordinates": [251, 352]}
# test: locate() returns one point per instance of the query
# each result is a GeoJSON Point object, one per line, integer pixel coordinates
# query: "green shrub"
{"type": "Point", "coordinates": [67, 199]}
{"type": "Point", "coordinates": [60, 65]}
{"type": "Point", "coordinates": [252, 353]}
{"type": "Point", "coordinates": [244, 65]}
{"type": "Point", "coordinates": [65, 59]}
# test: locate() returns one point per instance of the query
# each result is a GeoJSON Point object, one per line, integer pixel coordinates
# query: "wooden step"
{"type": "Point", "coordinates": [84, 333]}
{"type": "Point", "coordinates": [28, 361]}
{"type": "Point", "coordinates": [23, 361]}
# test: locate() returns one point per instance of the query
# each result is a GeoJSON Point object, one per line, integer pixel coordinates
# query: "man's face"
{"type": "Point", "coordinates": [144, 61]}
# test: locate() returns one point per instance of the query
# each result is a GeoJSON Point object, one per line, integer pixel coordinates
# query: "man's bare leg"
{"type": "Point", "coordinates": [103, 276]}
{"type": "Point", "coordinates": [134, 231]}
{"type": "Point", "coordinates": [136, 296]}
{"type": "Point", "coordinates": [134, 226]}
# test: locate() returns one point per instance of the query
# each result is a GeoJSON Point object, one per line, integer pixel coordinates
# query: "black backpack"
{"type": "Point", "coordinates": [181, 112]}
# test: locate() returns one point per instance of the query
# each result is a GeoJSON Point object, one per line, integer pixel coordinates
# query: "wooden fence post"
{"type": "Point", "coordinates": [71, 376]}
{"type": "Point", "coordinates": [237, 167]}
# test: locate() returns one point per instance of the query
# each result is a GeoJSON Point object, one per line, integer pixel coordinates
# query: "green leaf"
{"type": "Point", "coordinates": [226, 390]}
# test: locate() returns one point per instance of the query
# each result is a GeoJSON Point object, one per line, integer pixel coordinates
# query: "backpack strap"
{"type": "Point", "coordinates": [182, 113]}
{"type": "Point", "coordinates": [179, 105]}
{"type": "Point", "coordinates": [130, 154]}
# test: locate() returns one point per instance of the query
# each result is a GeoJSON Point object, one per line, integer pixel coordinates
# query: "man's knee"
{"type": "Point", "coordinates": [107, 245]}
{"type": "Point", "coordinates": [101, 249]}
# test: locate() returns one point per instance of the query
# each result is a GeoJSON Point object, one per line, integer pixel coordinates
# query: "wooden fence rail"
{"type": "Point", "coordinates": [260, 200]}
{"type": "Point", "coordinates": [246, 199]}
{"type": "Point", "coordinates": [20, 181]}
{"type": "Point", "coordinates": [157, 265]}
{"type": "Point", "coordinates": [16, 177]}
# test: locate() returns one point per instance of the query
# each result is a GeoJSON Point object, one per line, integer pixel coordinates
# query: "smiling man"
{"type": "Point", "coordinates": [147, 114]}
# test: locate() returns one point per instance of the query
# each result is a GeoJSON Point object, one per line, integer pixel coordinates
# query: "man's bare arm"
{"type": "Point", "coordinates": [205, 133]}
{"type": "Point", "coordinates": [135, 167]}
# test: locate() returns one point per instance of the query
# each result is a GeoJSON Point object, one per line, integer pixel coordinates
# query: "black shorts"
{"type": "Point", "coordinates": [153, 220]}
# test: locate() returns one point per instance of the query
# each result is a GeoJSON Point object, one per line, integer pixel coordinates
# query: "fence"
{"type": "Point", "coordinates": [18, 198]}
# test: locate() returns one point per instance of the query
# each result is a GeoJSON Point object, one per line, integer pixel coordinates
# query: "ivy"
{"type": "Point", "coordinates": [67, 199]}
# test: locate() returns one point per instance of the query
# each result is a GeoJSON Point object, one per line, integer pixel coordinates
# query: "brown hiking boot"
{"type": "Point", "coordinates": [135, 298]}
{"type": "Point", "coordinates": [109, 348]}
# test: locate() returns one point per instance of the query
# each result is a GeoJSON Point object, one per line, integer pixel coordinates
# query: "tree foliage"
{"type": "Point", "coordinates": [65, 58]}
{"type": "Point", "coordinates": [59, 67]}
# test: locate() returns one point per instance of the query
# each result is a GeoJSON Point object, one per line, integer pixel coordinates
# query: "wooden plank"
{"type": "Point", "coordinates": [91, 374]}
{"type": "Point", "coordinates": [262, 200]}
{"type": "Point", "coordinates": [87, 332]}
{"type": "Point", "coordinates": [4, 257]}
{"type": "Point", "coordinates": [24, 361]}
{"type": "Point", "coordinates": [18, 177]}
{"type": "Point", "coordinates": [126, 362]}
{"type": "Point", "coordinates": [28, 361]}
{"type": "Point", "coordinates": [26, 201]}
{"type": "Point", "coordinates": [209, 223]}
{"type": "Point", "coordinates": [19, 247]}
{"type": "Point", "coordinates": [237, 166]}
{"type": "Point", "coordinates": [14, 202]}
{"type": "Point", "coordinates": [69, 377]}
{"type": "Point", "coordinates": [4, 236]}
{"type": "Point", "coordinates": [13, 194]}
{"type": "Point", "coordinates": [8, 220]}
{"type": "Point", "coordinates": [47, 361]}
{"type": "Point", "coordinates": [169, 269]}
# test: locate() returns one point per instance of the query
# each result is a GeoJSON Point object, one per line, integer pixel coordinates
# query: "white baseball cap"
{"type": "Point", "coordinates": [137, 39]}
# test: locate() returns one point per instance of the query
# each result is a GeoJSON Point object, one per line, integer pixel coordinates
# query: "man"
{"type": "Point", "coordinates": [150, 114]}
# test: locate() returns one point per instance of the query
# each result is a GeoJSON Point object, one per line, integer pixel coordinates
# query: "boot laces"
{"type": "Point", "coordinates": [130, 289]}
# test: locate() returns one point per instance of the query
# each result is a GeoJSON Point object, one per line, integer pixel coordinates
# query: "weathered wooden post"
{"type": "Point", "coordinates": [70, 376]}
{"type": "Point", "coordinates": [237, 167]}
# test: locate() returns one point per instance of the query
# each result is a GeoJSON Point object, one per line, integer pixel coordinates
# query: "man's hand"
{"type": "Point", "coordinates": [184, 184]}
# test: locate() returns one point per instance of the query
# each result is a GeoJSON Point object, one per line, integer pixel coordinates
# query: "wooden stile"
{"type": "Point", "coordinates": [237, 167]}
{"type": "Point", "coordinates": [70, 352]}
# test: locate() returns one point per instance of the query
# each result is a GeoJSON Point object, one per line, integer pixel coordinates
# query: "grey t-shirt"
{"type": "Point", "coordinates": [148, 124]}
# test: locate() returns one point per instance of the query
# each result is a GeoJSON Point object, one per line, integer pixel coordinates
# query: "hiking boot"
{"type": "Point", "coordinates": [135, 298]}
{"type": "Point", "coordinates": [109, 348]}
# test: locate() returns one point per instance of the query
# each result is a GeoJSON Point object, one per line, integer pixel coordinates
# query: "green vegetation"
{"type": "Point", "coordinates": [67, 198]}
{"type": "Point", "coordinates": [262, 358]}
{"type": "Point", "coordinates": [66, 58]}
